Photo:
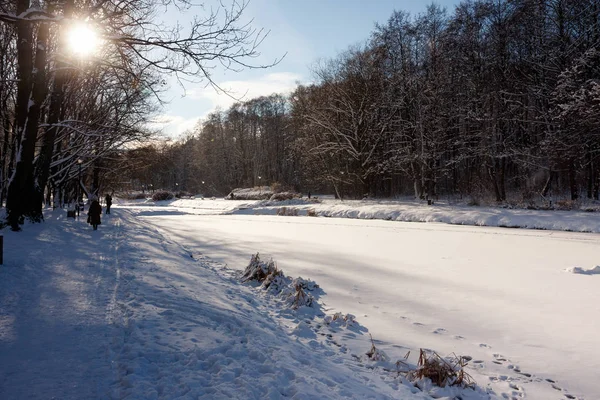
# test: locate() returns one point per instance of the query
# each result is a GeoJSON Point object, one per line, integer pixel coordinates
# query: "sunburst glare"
{"type": "Point", "coordinates": [83, 40]}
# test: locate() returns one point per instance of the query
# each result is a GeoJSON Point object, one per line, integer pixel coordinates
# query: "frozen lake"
{"type": "Point", "coordinates": [501, 296]}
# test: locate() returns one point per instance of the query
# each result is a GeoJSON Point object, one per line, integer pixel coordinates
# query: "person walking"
{"type": "Point", "coordinates": [94, 213]}
{"type": "Point", "coordinates": [108, 200]}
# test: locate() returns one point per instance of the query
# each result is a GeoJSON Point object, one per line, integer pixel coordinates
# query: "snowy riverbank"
{"type": "Point", "coordinates": [391, 210]}
{"type": "Point", "coordinates": [146, 307]}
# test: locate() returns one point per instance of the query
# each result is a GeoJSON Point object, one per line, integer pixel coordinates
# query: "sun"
{"type": "Point", "coordinates": [82, 39]}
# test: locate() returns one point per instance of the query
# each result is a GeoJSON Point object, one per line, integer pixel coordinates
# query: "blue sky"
{"type": "Point", "coordinates": [307, 30]}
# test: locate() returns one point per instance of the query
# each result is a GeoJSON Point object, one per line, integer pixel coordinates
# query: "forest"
{"type": "Point", "coordinates": [494, 99]}
{"type": "Point", "coordinates": [80, 79]}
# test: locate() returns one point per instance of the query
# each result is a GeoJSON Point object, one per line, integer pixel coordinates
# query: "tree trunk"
{"type": "Point", "coordinates": [573, 180]}
{"type": "Point", "coordinates": [4, 171]}
{"type": "Point", "coordinates": [96, 179]}
{"type": "Point", "coordinates": [596, 189]}
{"type": "Point", "coordinates": [492, 175]}
{"type": "Point", "coordinates": [417, 180]}
{"type": "Point", "coordinates": [590, 175]}
{"type": "Point", "coordinates": [17, 185]}
{"type": "Point", "coordinates": [502, 179]}
{"type": "Point", "coordinates": [42, 171]}
{"type": "Point", "coordinates": [548, 184]}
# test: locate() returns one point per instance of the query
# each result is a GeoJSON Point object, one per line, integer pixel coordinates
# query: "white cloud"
{"type": "Point", "coordinates": [200, 101]}
{"type": "Point", "coordinates": [173, 125]}
{"type": "Point", "coordinates": [243, 90]}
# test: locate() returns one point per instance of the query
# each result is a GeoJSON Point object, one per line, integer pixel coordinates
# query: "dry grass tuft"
{"type": "Point", "coordinates": [375, 354]}
{"type": "Point", "coordinates": [311, 212]}
{"type": "Point", "coordinates": [161, 195]}
{"type": "Point", "coordinates": [566, 205]}
{"type": "Point", "coordinates": [442, 371]}
{"type": "Point", "coordinates": [274, 277]}
{"type": "Point", "coordinates": [258, 270]}
{"type": "Point", "coordinates": [281, 196]}
{"type": "Point", "coordinates": [301, 298]}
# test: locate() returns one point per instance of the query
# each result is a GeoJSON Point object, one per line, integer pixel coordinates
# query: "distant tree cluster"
{"type": "Point", "coordinates": [64, 117]}
{"type": "Point", "coordinates": [500, 97]}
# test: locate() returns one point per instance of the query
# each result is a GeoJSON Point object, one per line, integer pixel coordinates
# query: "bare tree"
{"type": "Point", "coordinates": [139, 51]}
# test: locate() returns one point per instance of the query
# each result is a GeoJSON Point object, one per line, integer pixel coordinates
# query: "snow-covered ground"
{"type": "Point", "coordinates": [407, 211]}
{"type": "Point", "coordinates": [125, 312]}
{"type": "Point", "coordinates": [150, 306]}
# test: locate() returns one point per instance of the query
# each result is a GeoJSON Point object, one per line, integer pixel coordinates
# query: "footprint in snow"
{"type": "Point", "coordinates": [499, 359]}
{"type": "Point", "coordinates": [517, 391]}
{"type": "Point", "coordinates": [518, 371]}
{"type": "Point", "coordinates": [440, 331]}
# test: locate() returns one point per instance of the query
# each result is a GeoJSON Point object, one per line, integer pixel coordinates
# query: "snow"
{"type": "Point", "coordinates": [124, 312]}
{"type": "Point", "coordinates": [407, 211]}
{"type": "Point", "coordinates": [151, 305]}
{"type": "Point", "coordinates": [257, 193]}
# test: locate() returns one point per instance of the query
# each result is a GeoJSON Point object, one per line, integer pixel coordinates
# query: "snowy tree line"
{"type": "Point", "coordinates": [497, 98]}
{"type": "Point", "coordinates": [65, 120]}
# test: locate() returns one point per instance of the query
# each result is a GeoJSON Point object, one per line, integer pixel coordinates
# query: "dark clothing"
{"type": "Point", "coordinates": [94, 214]}
{"type": "Point", "coordinates": [108, 200]}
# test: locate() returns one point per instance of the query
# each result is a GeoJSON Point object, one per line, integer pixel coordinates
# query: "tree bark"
{"type": "Point", "coordinates": [590, 175]}
{"type": "Point", "coordinates": [573, 180]}
{"type": "Point", "coordinates": [548, 184]}
{"type": "Point", "coordinates": [502, 179]}
{"type": "Point", "coordinates": [42, 170]}
{"type": "Point", "coordinates": [18, 181]}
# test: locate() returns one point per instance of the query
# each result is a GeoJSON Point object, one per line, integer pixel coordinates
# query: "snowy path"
{"type": "Point", "coordinates": [501, 296]}
{"type": "Point", "coordinates": [55, 300]}
{"type": "Point", "coordinates": [126, 313]}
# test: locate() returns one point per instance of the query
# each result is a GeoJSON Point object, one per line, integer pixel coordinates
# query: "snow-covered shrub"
{"type": "Point", "coordinates": [301, 298]}
{"type": "Point", "coordinates": [257, 193]}
{"type": "Point", "coordinates": [376, 354]}
{"type": "Point", "coordinates": [294, 292]}
{"type": "Point", "coordinates": [258, 270]}
{"type": "Point", "coordinates": [566, 205]}
{"type": "Point", "coordinates": [274, 281]}
{"type": "Point", "coordinates": [277, 187]}
{"type": "Point", "coordinates": [305, 284]}
{"type": "Point", "coordinates": [474, 202]}
{"type": "Point", "coordinates": [182, 194]}
{"type": "Point", "coordinates": [297, 292]}
{"type": "Point", "coordinates": [162, 195]}
{"type": "Point", "coordinates": [281, 196]}
{"type": "Point", "coordinates": [287, 212]}
{"type": "Point", "coordinates": [440, 371]}
{"type": "Point", "coordinates": [340, 319]}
